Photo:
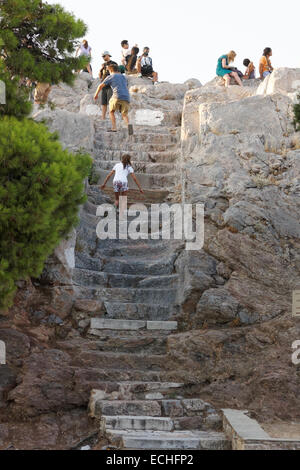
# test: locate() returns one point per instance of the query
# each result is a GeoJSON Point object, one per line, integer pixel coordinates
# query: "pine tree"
{"type": "Point", "coordinates": [41, 189]}
{"type": "Point", "coordinates": [41, 185]}
{"type": "Point", "coordinates": [39, 41]}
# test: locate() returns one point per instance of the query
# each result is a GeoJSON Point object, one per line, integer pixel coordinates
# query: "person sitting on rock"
{"type": "Point", "coordinates": [120, 100]}
{"type": "Point", "coordinates": [224, 69]}
{"type": "Point", "coordinates": [250, 70]}
{"type": "Point", "coordinates": [125, 52]}
{"type": "Point", "coordinates": [85, 50]}
{"type": "Point", "coordinates": [265, 66]}
{"type": "Point", "coordinates": [103, 74]}
{"type": "Point", "coordinates": [121, 171]}
{"type": "Point", "coordinates": [145, 66]}
{"type": "Point", "coordinates": [131, 61]}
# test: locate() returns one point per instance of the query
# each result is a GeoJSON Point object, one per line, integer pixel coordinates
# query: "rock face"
{"type": "Point", "coordinates": [104, 314]}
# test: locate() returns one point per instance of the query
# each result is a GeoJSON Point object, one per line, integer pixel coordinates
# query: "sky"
{"type": "Point", "coordinates": [186, 38]}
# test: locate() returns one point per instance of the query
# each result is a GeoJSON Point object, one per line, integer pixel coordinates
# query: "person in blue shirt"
{"type": "Point", "coordinates": [120, 100]}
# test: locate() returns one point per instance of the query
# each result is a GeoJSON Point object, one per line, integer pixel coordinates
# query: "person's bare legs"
{"type": "Point", "coordinates": [117, 200]}
{"type": "Point", "coordinates": [113, 120]}
{"type": "Point", "coordinates": [227, 80]}
{"type": "Point", "coordinates": [155, 77]}
{"type": "Point", "coordinates": [89, 70]}
{"type": "Point", "coordinates": [123, 202]}
{"type": "Point", "coordinates": [237, 78]}
{"type": "Point", "coordinates": [125, 118]}
{"type": "Point", "coordinates": [104, 111]}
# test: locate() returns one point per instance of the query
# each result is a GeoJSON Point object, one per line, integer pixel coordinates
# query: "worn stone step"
{"type": "Point", "coordinates": [161, 440]}
{"type": "Point", "coordinates": [87, 277]}
{"type": "Point", "coordinates": [140, 249]}
{"type": "Point", "coordinates": [130, 342]}
{"type": "Point", "coordinates": [147, 181]}
{"type": "Point", "coordinates": [135, 390]}
{"type": "Point", "coordinates": [128, 295]}
{"type": "Point", "coordinates": [118, 324]}
{"type": "Point", "coordinates": [131, 146]}
{"type": "Point", "coordinates": [99, 408]}
{"type": "Point", "coordinates": [154, 266]}
{"type": "Point", "coordinates": [172, 408]}
{"type": "Point", "coordinates": [139, 311]}
{"type": "Point", "coordinates": [150, 196]}
{"type": "Point", "coordinates": [115, 156]}
{"type": "Point", "coordinates": [138, 138]}
{"type": "Point", "coordinates": [140, 168]}
{"type": "Point", "coordinates": [136, 423]}
{"type": "Point", "coordinates": [112, 374]}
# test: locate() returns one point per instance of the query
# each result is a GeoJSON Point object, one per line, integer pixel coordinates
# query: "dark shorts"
{"type": "Point", "coordinates": [106, 95]}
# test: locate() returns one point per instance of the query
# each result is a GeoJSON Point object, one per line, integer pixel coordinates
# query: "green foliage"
{"type": "Point", "coordinates": [17, 103]}
{"type": "Point", "coordinates": [297, 115]}
{"type": "Point", "coordinates": [39, 41]}
{"type": "Point", "coordinates": [41, 189]}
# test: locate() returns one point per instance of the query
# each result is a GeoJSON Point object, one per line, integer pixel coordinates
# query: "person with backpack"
{"type": "Point", "coordinates": [145, 66]}
{"type": "Point", "coordinates": [120, 100]}
{"type": "Point", "coordinates": [121, 171]}
{"type": "Point", "coordinates": [225, 71]}
{"type": "Point", "coordinates": [265, 66]}
{"type": "Point", "coordinates": [103, 74]}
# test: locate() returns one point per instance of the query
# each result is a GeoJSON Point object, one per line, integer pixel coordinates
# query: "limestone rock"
{"type": "Point", "coordinates": [76, 131]}
{"type": "Point", "coordinates": [285, 81]}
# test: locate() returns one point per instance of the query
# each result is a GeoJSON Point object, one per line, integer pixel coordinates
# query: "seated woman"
{"type": "Point", "coordinates": [131, 61]}
{"type": "Point", "coordinates": [224, 69]}
{"type": "Point", "coordinates": [265, 66]}
{"type": "Point", "coordinates": [250, 70]}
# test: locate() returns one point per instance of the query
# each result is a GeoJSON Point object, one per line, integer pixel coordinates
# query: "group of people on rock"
{"type": "Point", "coordinates": [227, 72]}
{"type": "Point", "coordinates": [113, 84]}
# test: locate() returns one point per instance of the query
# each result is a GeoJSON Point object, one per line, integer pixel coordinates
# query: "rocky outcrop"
{"type": "Point", "coordinates": [108, 321]}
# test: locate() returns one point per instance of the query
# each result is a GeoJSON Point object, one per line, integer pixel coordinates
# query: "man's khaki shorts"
{"type": "Point", "coordinates": [119, 105]}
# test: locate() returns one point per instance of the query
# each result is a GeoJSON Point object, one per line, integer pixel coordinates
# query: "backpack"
{"type": "Point", "coordinates": [148, 68]}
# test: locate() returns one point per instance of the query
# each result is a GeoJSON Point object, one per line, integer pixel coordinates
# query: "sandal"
{"type": "Point", "coordinates": [111, 130]}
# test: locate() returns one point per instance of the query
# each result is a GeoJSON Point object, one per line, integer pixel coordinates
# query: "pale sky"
{"type": "Point", "coordinates": [187, 37]}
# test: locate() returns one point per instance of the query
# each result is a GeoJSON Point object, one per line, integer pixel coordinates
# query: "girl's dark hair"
{"type": "Point", "coordinates": [124, 43]}
{"type": "Point", "coordinates": [267, 51]}
{"type": "Point", "coordinates": [246, 62]}
{"type": "Point", "coordinates": [132, 59]}
{"type": "Point", "coordinates": [126, 160]}
{"type": "Point", "coordinates": [85, 44]}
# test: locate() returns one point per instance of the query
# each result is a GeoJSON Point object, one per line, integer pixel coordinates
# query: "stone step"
{"type": "Point", "coordinates": [150, 196]}
{"type": "Point", "coordinates": [135, 390]}
{"type": "Point", "coordinates": [129, 295]}
{"type": "Point", "coordinates": [86, 277]}
{"type": "Point", "coordinates": [107, 324]}
{"type": "Point", "coordinates": [140, 168]}
{"type": "Point", "coordinates": [109, 139]}
{"type": "Point", "coordinates": [101, 125]}
{"type": "Point", "coordinates": [130, 341]}
{"type": "Point", "coordinates": [153, 266]}
{"type": "Point", "coordinates": [171, 408]}
{"type": "Point", "coordinates": [139, 311]}
{"type": "Point", "coordinates": [129, 147]}
{"type": "Point", "coordinates": [112, 374]}
{"type": "Point", "coordinates": [141, 249]}
{"type": "Point", "coordinates": [136, 423]}
{"type": "Point", "coordinates": [140, 156]}
{"type": "Point", "coordinates": [99, 408]}
{"type": "Point", "coordinates": [161, 440]}
{"type": "Point", "coordinates": [149, 181]}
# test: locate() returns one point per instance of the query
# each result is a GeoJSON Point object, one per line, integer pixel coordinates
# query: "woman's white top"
{"type": "Point", "coordinates": [84, 51]}
{"type": "Point", "coordinates": [121, 173]}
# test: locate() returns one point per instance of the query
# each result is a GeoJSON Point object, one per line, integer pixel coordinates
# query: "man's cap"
{"type": "Point", "coordinates": [106, 53]}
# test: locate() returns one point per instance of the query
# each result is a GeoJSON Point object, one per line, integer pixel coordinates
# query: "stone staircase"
{"type": "Point", "coordinates": [137, 405]}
